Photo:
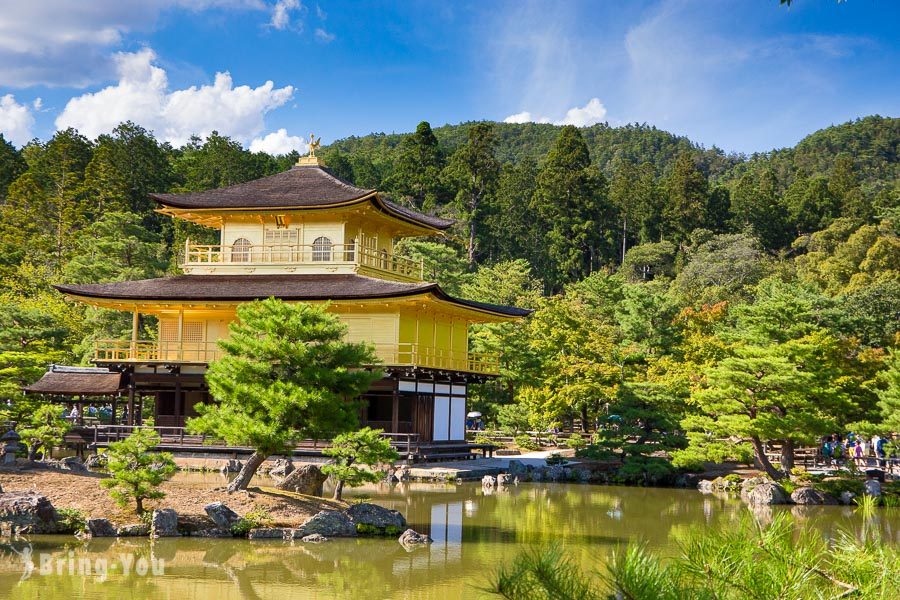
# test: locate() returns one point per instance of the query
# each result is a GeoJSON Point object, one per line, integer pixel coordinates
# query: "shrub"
{"type": "Point", "coordinates": [364, 447]}
{"type": "Point", "coordinates": [71, 520]}
{"type": "Point", "coordinates": [689, 459]}
{"type": "Point", "coordinates": [252, 520]}
{"type": "Point", "coordinates": [135, 472]}
{"type": "Point", "coordinates": [595, 452]}
{"type": "Point", "coordinates": [555, 459]}
{"type": "Point", "coordinates": [733, 478]}
{"type": "Point", "coordinates": [575, 441]}
{"type": "Point", "coordinates": [526, 443]}
{"type": "Point", "coordinates": [836, 487]}
{"type": "Point", "coordinates": [482, 438]}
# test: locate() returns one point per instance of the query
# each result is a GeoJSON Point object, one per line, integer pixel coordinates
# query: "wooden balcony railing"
{"type": "Point", "coordinates": [397, 355]}
{"type": "Point", "coordinates": [311, 255]}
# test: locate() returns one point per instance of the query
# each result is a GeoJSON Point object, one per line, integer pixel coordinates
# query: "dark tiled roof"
{"type": "Point", "coordinates": [241, 288]}
{"type": "Point", "coordinates": [87, 383]}
{"type": "Point", "coordinates": [300, 187]}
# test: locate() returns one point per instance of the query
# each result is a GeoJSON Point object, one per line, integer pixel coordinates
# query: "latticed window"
{"type": "Point", "coordinates": [321, 249]}
{"type": "Point", "coordinates": [384, 259]}
{"type": "Point", "coordinates": [350, 251]}
{"type": "Point", "coordinates": [240, 250]}
{"type": "Point", "coordinates": [193, 332]}
{"type": "Point", "coordinates": [282, 244]}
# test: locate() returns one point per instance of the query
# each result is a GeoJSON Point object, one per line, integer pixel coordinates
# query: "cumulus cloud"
{"type": "Point", "coordinates": [324, 36]}
{"type": "Point", "coordinates": [591, 113]}
{"type": "Point", "coordinates": [281, 14]}
{"type": "Point", "coordinates": [142, 95]}
{"type": "Point", "coordinates": [16, 121]}
{"type": "Point", "coordinates": [278, 143]}
{"type": "Point", "coordinates": [66, 43]}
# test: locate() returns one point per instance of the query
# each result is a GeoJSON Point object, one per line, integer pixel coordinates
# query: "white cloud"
{"type": "Point", "coordinates": [16, 121]}
{"type": "Point", "coordinates": [278, 143]}
{"type": "Point", "coordinates": [281, 14]}
{"type": "Point", "coordinates": [38, 103]}
{"type": "Point", "coordinates": [591, 113]}
{"type": "Point", "coordinates": [321, 13]}
{"type": "Point", "coordinates": [68, 43]}
{"type": "Point", "coordinates": [142, 95]}
{"type": "Point", "coordinates": [324, 36]}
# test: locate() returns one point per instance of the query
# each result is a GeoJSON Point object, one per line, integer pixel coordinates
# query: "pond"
{"type": "Point", "coordinates": [473, 533]}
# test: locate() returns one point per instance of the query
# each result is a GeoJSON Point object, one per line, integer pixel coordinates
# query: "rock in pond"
{"type": "Point", "coordinates": [100, 528]}
{"type": "Point", "coordinates": [231, 466]}
{"type": "Point", "coordinates": [847, 497]}
{"type": "Point", "coordinates": [306, 479]}
{"type": "Point", "coordinates": [517, 467]}
{"type": "Point", "coordinates": [314, 538]}
{"type": "Point", "coordinates": [376, 516]}
{"type": "Point", "coordinates": [556, 473]}
{"type": "Point", "coordinates": [27, 512]}
{"type": "Point", "coordinates": [281, 468]}
{"type": "Point", "coordinates": [221, 515]}
{"type": "Point", "coordinates": [504, 479]}
{"type": "Point", "coordinates": [133, 530]}
{"type": "Point", "coordinates": [808, 495]}
{"type": "Point", "coordinates": [411, 537]}
{"type": "Point", "coordinates": [706, 486]}
{"type": "Point", "coordinates": [488, 481]}
{"type": "Point", "coordinates": [269, 533]}
{"type": "Point", "coordinates": [768, 493]}
{"type": "Point", "coordinates": [872, 488]}
{"type": "Point", "coordinates": [164, 523]}
{"type": "Point", "coordinates": [95, 461]}
{"type": "Point", "coordinates": [330, 523]}
{"type": "Point", "coordinates": [72, 463]}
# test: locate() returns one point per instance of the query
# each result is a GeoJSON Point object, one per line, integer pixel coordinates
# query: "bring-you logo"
{"type": "Point", "coordinates": [83, 564]}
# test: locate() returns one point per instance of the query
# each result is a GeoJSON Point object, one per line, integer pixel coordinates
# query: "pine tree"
{"type": "Point", "coordinates": [136, 472]}
{"type": "Point", "coordinates": [286, 375]}
{"type": "Point", "coordinates": [417, 173]}
{"type": "Point", "coordinates": [756, 206]}
{"type": "Point", "coordinates": [890, 394]}
{"type": "Point", "coordinates": [474, 169]}
{"type": "Point", "coordinates": [570, 201]}
{"type": "Point", "coordinates": [687, 195]}
{"type": "Point", "coordinates": [11, 165]}
{"type": "Point", "coordinates": [354, 451]}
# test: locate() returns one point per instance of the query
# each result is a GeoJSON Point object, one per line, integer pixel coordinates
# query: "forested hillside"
{"type": "Point", "coordinates": [679, 288]}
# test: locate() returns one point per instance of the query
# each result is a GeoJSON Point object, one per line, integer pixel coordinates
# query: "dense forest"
{"type": "Point", "coordinates": [706, 301]}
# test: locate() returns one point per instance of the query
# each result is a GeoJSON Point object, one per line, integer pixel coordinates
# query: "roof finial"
{"type": "Point", "coordinates": [311, 160]}
{"type": "Point", "coordinates": [314, 143]}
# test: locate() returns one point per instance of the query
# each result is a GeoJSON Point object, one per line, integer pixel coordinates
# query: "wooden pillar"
{"type": "Point", "coordinates": [130, 405]}
{"type": "Point", "coordinates": [139, 416]}
{"type": "Point", "coordinates": [178, 395]}
{"type": "Point", "coordinates": [112, 417]}
{"type": "Point", "coordinates": [135, 322]}
{"type": "Point", "coordinates": [395, 408]}
{"type": "Point", "coordinates": [180, 337]}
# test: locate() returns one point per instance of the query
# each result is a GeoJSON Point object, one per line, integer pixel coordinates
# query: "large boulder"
{"type": "Point", "coordinates": [221, 515]}
{"type": "Point", "coordinates": [281, 468]}
{"type": "Point", "coordinates": [27, 512]}
{"type": "Point", "coordinates": [376, 516]}
{"type": "Point", "coordinates": [411, 538]}
{"type": "Point", "coordinates": [848, 497]}
{"type": "Point", "coordinates": [809, 495]}
{"type": "Point", "coordinates": [164, 523]}
{"type": "Point", "coordinates": [748, 485]}
{"type": "Point", "coordinates": [231, 466]}
{"type": "Point", "coordinates": [517, 467]}
{"type": "Point", "coordinates": [330, 523]}
{"type": "Point", "coordinates": [269, 533]}
{"type": "Point", "coordinates": [72, 463]}
{"type": "Point", "coordinates": [100, 528]}
{"type": "Point", "coordinates": [306, 479]}
{"type": "Point", "coordinates": [767, 494]}
{"type": "Point", "coordinates": [133, 530]}
{"type": "Point", "coordinates": [314, 538]}
{"type": "Point", "coordinates": [95, 461]}
{"type": "Point", "coordinates": [556, 473]}
{"type": "Point", "coordinates": [706, 487]}
{"type": "Point", "coordinates": [872, 488]}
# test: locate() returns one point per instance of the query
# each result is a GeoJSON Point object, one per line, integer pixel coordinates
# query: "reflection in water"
{"type": "Point", "coordinates": [473, 533]}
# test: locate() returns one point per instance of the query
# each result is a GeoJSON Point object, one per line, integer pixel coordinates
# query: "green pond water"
{"type": "Point", "coordinates": [473, 533]}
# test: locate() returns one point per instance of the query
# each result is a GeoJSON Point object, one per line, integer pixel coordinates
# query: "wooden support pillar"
{"type": "Point", "coordinates": [178, 398]}
{"type": "Point", "coordinates": [140, 410]}
{"type": "Point", "coordinates": [130, 405]}
{"type": "Point", "coordinates": [180, 337]}
{"type": "Point", "coordinates": [395, 409]}
{"type": "Point", "coordinates": [135, 323]}
{"type": "Point", "coordinates": [112, 417]}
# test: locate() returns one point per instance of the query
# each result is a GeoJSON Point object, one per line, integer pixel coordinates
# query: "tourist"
{"type": "Point", "coordinates": [74, 414]}
{"type": "Point", "coordinates": [827, 451]}
{"type": "Point", "coordinates": [878, 445]}
{"type": "Point", "coordinates": [858, 454]}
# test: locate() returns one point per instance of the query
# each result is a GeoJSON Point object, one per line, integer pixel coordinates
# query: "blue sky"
{"type": "Point", "coordinates": [744, 75]}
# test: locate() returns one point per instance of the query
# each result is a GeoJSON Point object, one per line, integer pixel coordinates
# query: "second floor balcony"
{"type": "Point", "coordinates": [323, 257]}
{"type": "Point", "coordinates": [390, 355]}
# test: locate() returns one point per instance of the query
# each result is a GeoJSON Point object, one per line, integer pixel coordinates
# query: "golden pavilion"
{"type": "Point", "coordinates": [301, 235]}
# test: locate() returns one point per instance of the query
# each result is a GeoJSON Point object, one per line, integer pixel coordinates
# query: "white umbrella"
{"type": "Point", "coordinates": [473, 415]}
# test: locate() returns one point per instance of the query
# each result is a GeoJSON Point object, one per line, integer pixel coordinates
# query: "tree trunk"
{"type": "Point", "coordinates": [247, 471]}
{"type": "Point", "coordinates": [762, 461]}
{"type": "Point", "coordinates": [140, 505]}
{"type": "Point", "coordinates": [787, 456]}
{"type": "Point", "coordinates": [584, 419]}
{"type": "Point", "coordinates": [338, 489]}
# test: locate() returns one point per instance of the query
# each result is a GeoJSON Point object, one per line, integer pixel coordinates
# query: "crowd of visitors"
{"type": "Point", "coordinates": [856, 449]}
